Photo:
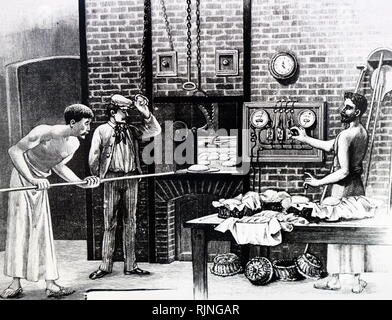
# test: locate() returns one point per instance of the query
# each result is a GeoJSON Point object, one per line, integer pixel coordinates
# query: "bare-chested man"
{"type": "Point", "coordinates": [350, 148]}
{"type": "Point", "coordinates": [30, 250]}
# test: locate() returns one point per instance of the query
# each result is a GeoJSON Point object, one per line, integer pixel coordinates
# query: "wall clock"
{"type": "Point", "coordinates": [283, 65]}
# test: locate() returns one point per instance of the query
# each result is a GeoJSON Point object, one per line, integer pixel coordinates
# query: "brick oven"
{"type": "Point", "coordinates": [187, 197]}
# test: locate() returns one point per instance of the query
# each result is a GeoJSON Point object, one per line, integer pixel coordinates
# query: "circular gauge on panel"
{"type": "Point", "coordinates": [306, 118]}
{"type": "Point", "coordinates": [259, 119]}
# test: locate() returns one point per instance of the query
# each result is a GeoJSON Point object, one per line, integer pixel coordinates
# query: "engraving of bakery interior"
{"type": "Point", "coordinates": [196, 149]}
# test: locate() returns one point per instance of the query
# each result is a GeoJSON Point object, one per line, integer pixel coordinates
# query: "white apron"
{"type": "Point", "coordinates": [30, 252]}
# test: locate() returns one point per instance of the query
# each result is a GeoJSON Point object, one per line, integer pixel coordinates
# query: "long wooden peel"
{"type": "Point", "coordinates": [389, 208]}
{"type": "Point", "coordinates": [375, 94]}
{"type": "Point", "coordinates": [377, 78]}
{"type": "Point", "coordinates": [77, 183]}
{"type": "Point", "coordinates": [382, 89]}
{"type": "Point", "coordinates": [367, 171]}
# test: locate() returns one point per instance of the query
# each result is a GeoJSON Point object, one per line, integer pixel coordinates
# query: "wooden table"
{"type": "Point", "coordinates": [374, 231]}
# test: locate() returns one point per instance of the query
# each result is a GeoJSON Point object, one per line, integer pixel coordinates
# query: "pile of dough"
{"type": "Point", "coordinates": [273, 196]}
{"type": "Point", "coordinates": [252, 200]}
{"type": "Point", "coordinates": [347, 208]}
{"type": "Point", "coordinates": [230, 204]}
{"type": "Point", "coordinates": [198, 168]}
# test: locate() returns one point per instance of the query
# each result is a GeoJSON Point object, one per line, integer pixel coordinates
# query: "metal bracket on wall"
{"type": "Point", "coordinates": [167, 64]}
{"type": "Point", "coordinates": [226, 62]}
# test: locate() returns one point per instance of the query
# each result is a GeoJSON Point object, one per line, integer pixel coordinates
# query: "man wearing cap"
{"type": "Point", "coordinates": [349, 147]}
{"type": "Point", "coordinates": [115, 153]}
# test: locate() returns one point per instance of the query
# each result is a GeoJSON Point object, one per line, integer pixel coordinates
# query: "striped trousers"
{"type": "Point", "coordinates": [115, 192]}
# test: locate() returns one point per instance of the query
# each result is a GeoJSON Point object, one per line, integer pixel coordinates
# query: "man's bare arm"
{"type": "Point", "coordinates": [344, 161]}
{"type": "Point", "coordinates": [63, 171]}
{"type": "Point", "coordinates": [315, 143]}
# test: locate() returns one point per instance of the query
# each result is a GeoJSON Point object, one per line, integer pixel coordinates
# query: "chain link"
{"type": "Point", "coordinates": [142, 86]}
{"type": "Point", "coordinates": [189, 27]}
{"type": "Point", "coordinates": [167, 25]}
{"type": "Point", "coordinates": [198, 38]}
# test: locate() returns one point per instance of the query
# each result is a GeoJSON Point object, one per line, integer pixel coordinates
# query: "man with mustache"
{"type": "Point", "coordinates": [30, 250]}
{"type": "Point", "coordinates": [115, 153]}
{"type": "Point", "coordinates": [349, 147]}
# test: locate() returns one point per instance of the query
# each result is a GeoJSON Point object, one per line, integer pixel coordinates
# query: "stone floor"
{"type": "Point", "coordinates": [174, 282]}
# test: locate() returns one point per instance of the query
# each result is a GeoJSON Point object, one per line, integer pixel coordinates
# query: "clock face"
{"type": "Point", "coordinates": [306, 118]}
{"type": "Point", "coordinates": [259, 119]}
{"type": "Point", "coordinates": [283, 65]}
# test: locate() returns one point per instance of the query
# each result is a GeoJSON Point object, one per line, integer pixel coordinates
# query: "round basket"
{"type": "Point", "coordinates": [259, 271]}
{"type": "Point", "coordinates": [274, 206]}
{"type": "Point", "coordinates": [286, 270]}
{"type": "Point", "coordinates": [226, 264]}
{"type": "Point", "coordinates": [304, 213]}
{"type": "Point", "coordinates": [225, 213]}
{"type": "Point", "coordinates": [309, 266]}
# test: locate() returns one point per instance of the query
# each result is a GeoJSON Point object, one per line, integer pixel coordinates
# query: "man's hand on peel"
{"type": "Point", "coordinates": [41, 184]}
{"type": "Point", "coordinates": [91, 182]}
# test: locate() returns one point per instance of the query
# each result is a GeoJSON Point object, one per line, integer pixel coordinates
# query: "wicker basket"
{"type": "Point", "coordinates": [224, 212]}
{"type": "Point", "coordinates": [304, 213]}
{"type": "Point", "coordinates": [226, 264]}
{"type": "Point", "coordinates": [286, 270]}
{"type": "Point", "coordinates": [259, 271]}
{"type": "Point", "coordinates": [274, 206]}
{"type": "Point", "coordinates": [309, 266]}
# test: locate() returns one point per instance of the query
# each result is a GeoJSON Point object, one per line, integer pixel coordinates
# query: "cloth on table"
{"type": "Point", "coordinates": [250, 200]}
{"type": "Point", "coordinates": [263, 228]}
{"type": "Point", "coordinates": [354, 207]}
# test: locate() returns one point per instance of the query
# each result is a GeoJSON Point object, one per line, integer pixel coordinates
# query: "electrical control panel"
{"type": "Point", "coordinates": [267, 131]}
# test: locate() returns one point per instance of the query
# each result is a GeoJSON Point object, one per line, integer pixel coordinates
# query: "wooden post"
{"type": "Point", "coordinates": [247, 35]}
{"type": "Point", "coordinates": [199, 264]}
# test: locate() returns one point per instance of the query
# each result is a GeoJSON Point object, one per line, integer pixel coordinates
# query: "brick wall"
{"type": "Point", "coordinates": [182, 199]}
{"type": "Point", "coordinates": [221, 28]}
{"type": "Point", "coordinates": [165, 240]}
{"type": "Point", "coordinates": [114, 37]}
{"type": "Point", "coordinates": [114, 34]}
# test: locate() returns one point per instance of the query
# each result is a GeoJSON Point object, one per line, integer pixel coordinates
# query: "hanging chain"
{"type": "Point", "coordinates": [189, 85]}
{"type": "Point", "coordinates": [189, 32]}
{"type": "Point", "coordinates": [167, 25]}
{"type": "Point", "coordinates": [142, 87]}
{"type": "Point", "coordinates": [198, 63]}
{"type": "Point", "coordinates": [198, 38]}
